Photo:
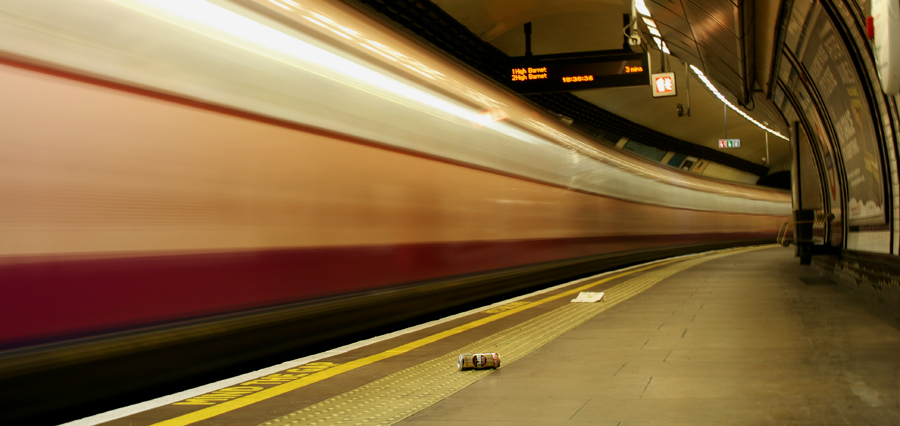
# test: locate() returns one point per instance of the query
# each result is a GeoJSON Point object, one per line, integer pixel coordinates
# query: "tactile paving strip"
{"type": "Point", "coordinates": [393, 398]}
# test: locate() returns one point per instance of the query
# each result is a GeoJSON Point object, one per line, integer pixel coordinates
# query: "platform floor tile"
{"type": "Point", "coordinates": [748, 339]}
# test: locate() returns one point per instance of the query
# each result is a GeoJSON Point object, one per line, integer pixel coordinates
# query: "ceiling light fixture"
{"type": "Point", "coordinates": [642, 8]}
{"type": "Point", "coordinates": [651, 26]}
{"type": "Point", "coordinates": [721, 97]}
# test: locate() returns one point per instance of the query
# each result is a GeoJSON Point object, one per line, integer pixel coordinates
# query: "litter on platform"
{"type": "Point", "coordinates": [478, 361]}
{"type": "Point", "coordinates": [588, 297]}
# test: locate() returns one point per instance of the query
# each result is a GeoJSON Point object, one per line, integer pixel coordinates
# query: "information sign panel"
{"type": "Point", "coordinates": [729, 143]}
{"type": "Point", "coordinates": [663, 84]}
{"type": "Point", "coordinates": [567, 75]}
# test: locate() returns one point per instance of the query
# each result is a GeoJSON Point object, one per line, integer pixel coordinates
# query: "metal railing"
{"type": "Point", "coordinates": [821, 219]}
{"type": "Point", "coordinates": [782, 233]}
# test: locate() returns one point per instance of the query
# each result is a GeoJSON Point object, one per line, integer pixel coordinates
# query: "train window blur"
{"type": "Point", "coordinates": [650, 152]}
{"type": "Point", "coordinates": [597, 132]}
{"type": "Point", "coordinates": [676, 160]}
{"type": "Point", "coordinates": [688, 164]}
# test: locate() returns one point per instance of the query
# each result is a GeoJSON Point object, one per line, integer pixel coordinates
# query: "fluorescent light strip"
{"type": "Point", "coordinates": [651, 26]}
{"type": "Point", "coordinates": [642, 8]}
{"type": "Point", "coordinates": [721, 97]}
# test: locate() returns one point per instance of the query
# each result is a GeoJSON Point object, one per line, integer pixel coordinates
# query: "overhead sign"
{"type": "Point", "coordinates": [567, 75]}
{"type": "Point", "coordinates": [663, 84]}
{"type": "Point", "coordinates": [729, 143]}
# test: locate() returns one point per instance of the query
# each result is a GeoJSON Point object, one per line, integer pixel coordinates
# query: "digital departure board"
{"type": "Point", "coordinates": [567, 75]}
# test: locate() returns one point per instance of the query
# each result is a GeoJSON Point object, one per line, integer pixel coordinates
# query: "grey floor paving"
{"type": "Point", "coordinates": [739, 340]}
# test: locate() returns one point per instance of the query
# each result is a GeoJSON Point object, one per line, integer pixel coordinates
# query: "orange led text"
{"type": "Point", "coordinates": [529, 73]}
{"type": "Point", "coordinates": [578, 78]}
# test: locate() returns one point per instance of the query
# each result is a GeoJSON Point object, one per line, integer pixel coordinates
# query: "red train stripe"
{"type": "Point", "coordinates": [47, 299]}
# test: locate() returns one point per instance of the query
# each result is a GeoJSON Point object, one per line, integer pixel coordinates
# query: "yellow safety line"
{"type": "Point", "coordinates": [391, 399]}
{"type": "Point", "coordinates": [262, 395]}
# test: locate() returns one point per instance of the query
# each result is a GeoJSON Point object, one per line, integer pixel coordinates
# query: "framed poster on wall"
{"type": "Point", "coordinates": [828, 62]}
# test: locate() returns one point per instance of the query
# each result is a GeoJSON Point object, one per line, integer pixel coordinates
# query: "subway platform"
{"type": "Point", "coordinates": [735, 337]}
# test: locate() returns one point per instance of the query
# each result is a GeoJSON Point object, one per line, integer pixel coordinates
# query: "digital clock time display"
{"type": "Point", "coordinates": [578, 79]}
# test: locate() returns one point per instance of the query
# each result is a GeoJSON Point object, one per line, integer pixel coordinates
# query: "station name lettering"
{"type": "Point", "coordinates": [529, 73]}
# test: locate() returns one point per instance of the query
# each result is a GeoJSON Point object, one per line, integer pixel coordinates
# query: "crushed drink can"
{"type": "Point", "coordinates": [478, 361]}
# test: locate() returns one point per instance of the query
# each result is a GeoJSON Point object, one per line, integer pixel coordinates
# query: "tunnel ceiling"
{"type": "Point", "coordinates": [706, 33]}
{"type": "Point", "coordinates": [709, 34]}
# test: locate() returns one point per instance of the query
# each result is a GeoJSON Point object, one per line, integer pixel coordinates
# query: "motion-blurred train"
{"type": "Point", "coordinates": [189, 180]}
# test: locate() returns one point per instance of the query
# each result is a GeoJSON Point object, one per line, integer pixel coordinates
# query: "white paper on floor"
{"type": "Point", "coordinates": [589, 297]}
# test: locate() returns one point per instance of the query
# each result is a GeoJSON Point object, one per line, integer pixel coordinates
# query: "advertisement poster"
{"type": "Point", "coordinates": [828, 63]}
